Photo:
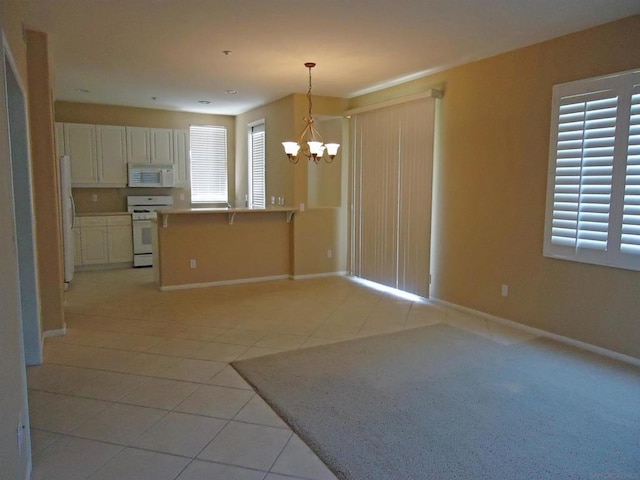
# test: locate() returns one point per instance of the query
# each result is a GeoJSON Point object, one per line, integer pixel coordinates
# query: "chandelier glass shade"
{"type": "Point", "coordinates": [310, 143]}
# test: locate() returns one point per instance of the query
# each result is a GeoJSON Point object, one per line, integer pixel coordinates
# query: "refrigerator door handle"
{"type": "Point", "coordinates": [73, 212]}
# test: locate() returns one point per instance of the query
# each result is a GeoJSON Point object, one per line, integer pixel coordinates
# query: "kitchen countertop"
{"type": "Point", "coordinates": [224, 210]}
{"type": "Point", "coordinates": [164, 215]}
{"type": "Point", "coordinates": [101, 214]}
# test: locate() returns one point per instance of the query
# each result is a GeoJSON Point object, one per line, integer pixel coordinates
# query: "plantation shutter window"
{"type": "Point", "coordinates": [593, 196]}
{"type": "Point", "coordinates": [630, 237]}
{"type": "Point", "coordinates": [257, 196]}
{"type": "Point", "coordinates": [208, 164]}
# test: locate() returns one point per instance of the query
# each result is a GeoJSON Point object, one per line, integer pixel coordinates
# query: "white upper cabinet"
{"type": "Point", "coordinates": [100, 153]}
{"type": "Point", "coordinates": [97, 153]}
{"type": "Point", "coordinates": [80, 145]}
{"type": "Point", "coordinates": [181, 157]}
{"type": "Point", "coordinates": [150, 145]}
{"type": "Point", "coordinates": [138, 145]}
{"type": "Point", "coordinates": [112, 154]}
{"type": "Point", "coordinates": [161, 146]}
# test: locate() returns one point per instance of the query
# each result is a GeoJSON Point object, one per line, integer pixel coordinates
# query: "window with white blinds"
{"type": "Point", "coordinates": [593, 198]}
{"type": "Point", "coordinates": [257, 195]}
{"type": "Point", "coordinates": [208, 145]}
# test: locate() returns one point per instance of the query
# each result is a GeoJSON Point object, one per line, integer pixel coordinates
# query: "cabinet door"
{"type": "Point", "coordinates": [94, 245]}
{"type": "Point", "coordinates": [80, 145]}
{"type": "Point", "coordinates": [112, 154]}
{"type": "Point", "coordinates": [120, 244]}
{"type": "Point", "coordinates": [59, 138]}
{"type": "Point", "coordinates": [161, 146]}
{"type": "Point", "coordinates": [181, 157]}
{"type": "Point", "coordinates": [77, 246]}
{"type": "Point", "coordinates": [138, 147]}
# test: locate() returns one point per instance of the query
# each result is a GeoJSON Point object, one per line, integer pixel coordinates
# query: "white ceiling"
{"type": "Point", "coordinates": [127, 51]}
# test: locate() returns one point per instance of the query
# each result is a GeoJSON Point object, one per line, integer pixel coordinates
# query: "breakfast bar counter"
{"type": "Point", "coordinates": [198, 247]}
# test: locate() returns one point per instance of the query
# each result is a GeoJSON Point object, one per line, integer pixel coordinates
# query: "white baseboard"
{"type": "Point", "coordinates": [542, 333]}
{"type": "Point", "coordinates": [223, 282]}
{"type": "Point", "coordinates": [319, 275]}
{"type": "Point", "coordinates": [250, 280]}
{"type": "Point", "coordinates": [54, 333]}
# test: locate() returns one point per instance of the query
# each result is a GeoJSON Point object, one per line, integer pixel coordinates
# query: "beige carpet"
{"type": "Point", "coordinates": [440, 403]}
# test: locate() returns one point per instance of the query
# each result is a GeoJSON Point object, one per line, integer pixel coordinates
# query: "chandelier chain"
{"type": "Point", "coordinates": [309, 92]}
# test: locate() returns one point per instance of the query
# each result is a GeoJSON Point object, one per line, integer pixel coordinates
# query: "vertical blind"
{"type": "Point", "coordinates": [257, 196]}
{"type": "Point", "coordinates": [208, 146]}
{"type": "Point", "coordinates": [392, 183]}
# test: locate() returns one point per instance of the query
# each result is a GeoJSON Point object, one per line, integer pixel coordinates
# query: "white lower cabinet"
{"type": "Point", "coordinates": [104, 239]}
{"type": "Point", "coordinates": [119, 239]}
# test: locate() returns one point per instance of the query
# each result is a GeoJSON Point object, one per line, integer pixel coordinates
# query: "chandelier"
{"type": "Point", "coordinates": [310, 143]}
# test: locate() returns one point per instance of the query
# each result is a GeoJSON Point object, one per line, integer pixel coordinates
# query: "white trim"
{"type": "Point", "coordinates": [543, 333]}
{"type": "Point", "coordinates": [431, 93]}
{"type": "Point", "coordinates": [319, 275]}
{"type": "Point", "coordinates": [54, 333]}
{"type": "Point", "coordinates": [11, 60]}
{"type": "Point", "coordinates": [223, 282]}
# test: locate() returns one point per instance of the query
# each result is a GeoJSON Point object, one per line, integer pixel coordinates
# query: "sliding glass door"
{"type": "Point", "coordinates": [392, 175]}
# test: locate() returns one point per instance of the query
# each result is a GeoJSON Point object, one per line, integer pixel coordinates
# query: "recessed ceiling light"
{"type": "Point", "coordinates": [204, 102]}
{"type": "Point", "coordinates": [82, 90]}
{"type": "Point", "coordinates": [231, 92]}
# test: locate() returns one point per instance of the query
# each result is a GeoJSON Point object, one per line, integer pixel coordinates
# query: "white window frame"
{"type": "Point", "coordinates": [593, 190]}
{"type": "Point", "coordinates": [208, 164]}
{"type": "Point", "coordinates": [256, 165]}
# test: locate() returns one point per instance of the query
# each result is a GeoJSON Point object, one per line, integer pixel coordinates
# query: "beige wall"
{"type": "Point", "coordinates": [322, 107]}
{"type": "Point", "coordinates": [493, 142]}
{"type": "Point", "coordinates": [279, 125]}
{"type": "Point", "coordinates": [324, 180]}
{"type": "Point", "coordinates": [315, 231]}
{"type": "Point", "coordinates": [256, 245]}
{"type": "Point", "coordinates": [13, 399]}
{"type": "Point", "coordinates": [45, 183]}
{"type": "Point", "coordinates": [109, 200]}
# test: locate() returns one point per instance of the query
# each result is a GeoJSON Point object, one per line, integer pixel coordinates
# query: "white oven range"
{"type": "Point", "coordinates": [143, 209]}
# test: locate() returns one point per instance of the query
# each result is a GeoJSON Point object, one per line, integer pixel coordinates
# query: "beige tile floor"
{"type": "Point", "coordinates": [140, 387]}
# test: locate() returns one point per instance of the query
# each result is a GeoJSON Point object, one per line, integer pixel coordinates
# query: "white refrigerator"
{"type": "Point", "coordinates": [68, 213]}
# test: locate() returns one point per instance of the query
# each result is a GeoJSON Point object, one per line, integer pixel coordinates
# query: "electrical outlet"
{"type": "Point", "coordinates": [94, 197]}
{"type": "Point", "coordinates": [182, 196]}
{"type": "Point", "coordinates": [329, 253]}
{"type": "Point", "coordinates": [192, 263]}
{"type": "Point", "coordinates": [505, 290]}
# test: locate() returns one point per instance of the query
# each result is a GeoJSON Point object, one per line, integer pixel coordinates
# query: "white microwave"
{"type": "Point", "coordinates": [151, 176]}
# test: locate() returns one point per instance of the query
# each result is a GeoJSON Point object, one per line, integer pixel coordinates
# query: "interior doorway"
{"type": "Point", "coordinates": [24, 217]}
